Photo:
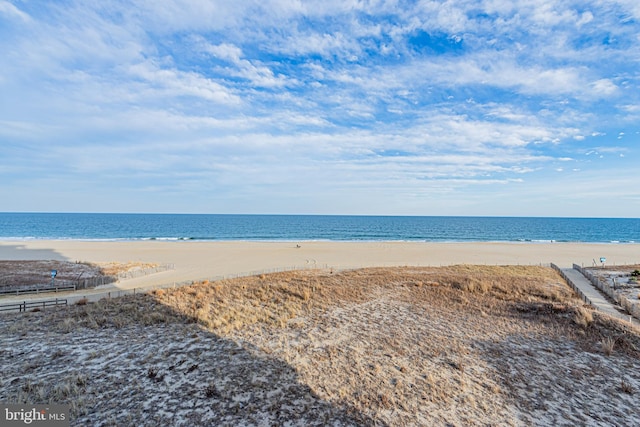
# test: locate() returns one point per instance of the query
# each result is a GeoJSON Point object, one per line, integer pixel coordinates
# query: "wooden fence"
{"type": "Point", "coordinates": [132, 274]}
{"type": "Point", "coordinates": [632, 307]}
{"type": "Point", "coordinates": [115, 293]}
{"type": "Point", "coordinates": [32, 305]}
{"type": "Point", "coordinates": [573, 286]}
{"type": "Point", "coordinates": [88, 283]}
{"type": "Point", "coordinates": [37, 290]}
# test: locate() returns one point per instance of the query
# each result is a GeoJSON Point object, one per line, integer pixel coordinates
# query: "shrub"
{"type": "Point", "coordinates": [583, 317]}
{"type": "Point", "coordinates": [211, 391]}
{"type": "Point", "coordinates": [607, 345]}
{"type": "Point", "coordinates": [626, 387]}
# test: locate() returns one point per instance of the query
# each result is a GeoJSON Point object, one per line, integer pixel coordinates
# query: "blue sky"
{"type": "Point", "coordinates": [463, 107]}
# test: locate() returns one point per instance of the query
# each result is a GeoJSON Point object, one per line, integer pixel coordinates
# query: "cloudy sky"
{"type": "Point", "coordinates": [458, 107]}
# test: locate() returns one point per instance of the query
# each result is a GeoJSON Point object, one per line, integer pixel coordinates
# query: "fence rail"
{"type": "Point", "coordinates": [570, 283]}
{"type": "Point", "coordinates": [632, 307]}
{"type": "Point", "coordinates": [30, 305]}
{"type": "Point", "coordinates": [87, 283]}
{"type": "Point", "coordinates": [37, 290]}
{"type": "Point", "coordinates": [115, 293]}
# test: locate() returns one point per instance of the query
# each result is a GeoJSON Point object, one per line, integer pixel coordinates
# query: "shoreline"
{"type": "Point", "coordinates": [204, 240]}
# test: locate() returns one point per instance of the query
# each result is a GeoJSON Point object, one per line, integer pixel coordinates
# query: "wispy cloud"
{"type": "Point", "coordinates": [11, 12]}
{"type": "Point", "coordinates": [285, 105]}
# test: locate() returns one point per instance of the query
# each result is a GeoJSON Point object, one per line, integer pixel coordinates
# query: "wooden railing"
{"type": "Point", "coordinates": [37, 290]}
{"type": "Point", "coordinates": [631, 306]}
{"type": "Point", "coordinates": [32, 305]}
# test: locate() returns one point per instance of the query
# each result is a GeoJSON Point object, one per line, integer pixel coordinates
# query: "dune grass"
{"type": "Point", "coordinates": [458, 345]}
{"type": "Point", "coordinates": [229, 305]}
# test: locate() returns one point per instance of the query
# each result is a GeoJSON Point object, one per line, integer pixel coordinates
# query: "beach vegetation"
{"type": "Point", "coordinates": [626, 387]}
{"type": "Point", "coordinates": [211, 391]}
{"type": "Point", "coordinates": [392, 345]}
{"type": "Point", "coordinates": [608, 344]}
{"type": "Point", "coordinates": [583, 316]}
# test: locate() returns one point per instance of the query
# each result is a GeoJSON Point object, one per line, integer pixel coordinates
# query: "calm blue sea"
{"type": "Point", "coordinates": [90, 226]}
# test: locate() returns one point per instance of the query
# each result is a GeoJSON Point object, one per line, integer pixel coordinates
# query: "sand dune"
{"type": "Point", "coordinates": [452, 346]}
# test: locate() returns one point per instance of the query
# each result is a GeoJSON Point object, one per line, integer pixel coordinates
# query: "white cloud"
{"type": "Point", "coordinates": [199, 15]}
{"type": "Point", "coordinates": [324, 44]}
{"type": "Point", "coordinates": [604, 87]}
{"type": "Point", "coordinates": [224, 51]}
{"type": "Point", "coordinates": [262, 94]}
{"type": "Point", "coordinates": [257, 74]}
{"type": "Point", "coordinates": [12, 12]}
{"type": "Point", "coordinates": [490, 71]}
{"type": "Point", "coordinates": [585, 18]}
{"type": "Point", "coordinates": [179, 83]}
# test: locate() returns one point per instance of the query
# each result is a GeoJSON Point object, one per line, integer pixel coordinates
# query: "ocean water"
{"type": "Point", "coordinates": [91, 226]}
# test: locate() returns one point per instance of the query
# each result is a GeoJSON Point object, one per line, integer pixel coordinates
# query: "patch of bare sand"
{"type": "Point", "coordinates": [396, 346]}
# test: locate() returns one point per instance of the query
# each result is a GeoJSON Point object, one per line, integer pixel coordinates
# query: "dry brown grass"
{"type": "Point", "coordinates": [625, 387]}
{"type": "Point", "coordinates": [18, 274]}
{"type": "Point", "coordinates": [233, 304]}
{"type": "Point", "coordinates": [583, 316]}
{"type": "Point", "coordinates": [24, 274]}
{"type": "Point", "coordinates": [275, 299]}
{"type": "Point", "coordinates": [608, 345]}
{"type": "Point", "coordinates": [115, 268]}
{"type": "Point", "coordinates": [280, 298]}
{"type": "Point", "coordinates": [115, 313]}
{"type": "Point", "coordinates": [461, 345]}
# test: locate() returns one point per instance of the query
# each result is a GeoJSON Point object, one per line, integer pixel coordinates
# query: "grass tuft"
{"type": "Point", "coordinates": [626, 387]}
{"type": "Point", "coordinates": [583, 317]}
{"type": "Point", "coordinates": [608, 344]}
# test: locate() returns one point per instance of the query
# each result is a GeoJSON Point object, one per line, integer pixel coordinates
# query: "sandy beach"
{"type": "Point", "coordinates": [203, 260]}
{"type": "Point", "coordinates": [444, 334]}
{"type": "Point", "coordinates": [441, 346]}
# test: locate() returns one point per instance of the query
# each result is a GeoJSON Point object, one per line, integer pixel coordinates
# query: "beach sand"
{"type": "Point", "coordinates": [445, 346]}
{"type": "Point", "coordinates": [206, 260]}
{"type": "Point", "coordinates": [451, 346]}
